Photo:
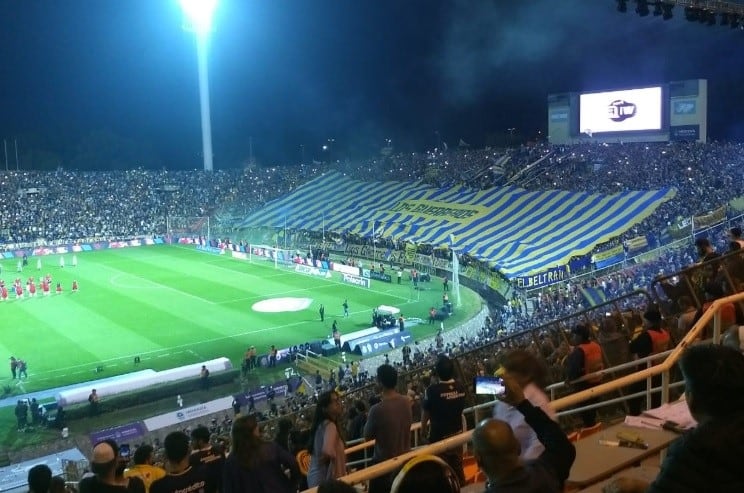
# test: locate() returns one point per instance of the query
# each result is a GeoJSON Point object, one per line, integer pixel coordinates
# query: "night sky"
{"type": "Point", "coordinates": [294, 73]}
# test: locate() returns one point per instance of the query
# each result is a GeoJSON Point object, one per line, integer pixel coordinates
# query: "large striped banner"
{"type": "Point", "coordinates": [516, 231]}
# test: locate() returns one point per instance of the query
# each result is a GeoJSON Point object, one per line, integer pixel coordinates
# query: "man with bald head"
{"type": "Point", "coordinates": [497, 450]}
{"type": "Point", "coordinates": [108, 468]}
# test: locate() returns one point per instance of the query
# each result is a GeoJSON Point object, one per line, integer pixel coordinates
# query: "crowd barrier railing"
{"type": "Point", "coordinates": [713, 314]}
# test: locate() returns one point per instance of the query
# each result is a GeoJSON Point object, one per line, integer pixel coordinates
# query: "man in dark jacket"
{"type": "Point", "coordinates": [709, 457]}
{"type": "Point", "coordinates": [497, 450]}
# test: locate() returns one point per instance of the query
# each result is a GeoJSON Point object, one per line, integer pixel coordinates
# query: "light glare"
{"type": "Point", "coordinates": [199, 13]}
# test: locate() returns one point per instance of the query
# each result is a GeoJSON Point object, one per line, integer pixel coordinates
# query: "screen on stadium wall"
{"type": "Point", "coordinates": [621, 111]}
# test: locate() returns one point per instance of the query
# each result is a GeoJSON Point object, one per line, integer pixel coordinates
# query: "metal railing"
{"type": "Point", "coordinates": [563, 403]}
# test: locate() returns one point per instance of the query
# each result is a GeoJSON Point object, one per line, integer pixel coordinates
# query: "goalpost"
{"type": "Point", "coordinates": [279, 256]}
{"type": "Point", "coordinates": [190, 226]}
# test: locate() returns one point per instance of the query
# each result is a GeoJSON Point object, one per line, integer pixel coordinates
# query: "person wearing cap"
{"type": "Point", "coordinates": [652, 340]}
{"type": "Point", "coordinates": [497, 450]}
{"type": "Point", "coordinates": [585, 358]}
{"type": "Point", "coordinates": [108, 472]}
{"type": "Point", "coordinates": [143, 467]}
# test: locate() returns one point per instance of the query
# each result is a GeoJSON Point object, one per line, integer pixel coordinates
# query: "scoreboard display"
{"type": "Point", "coordinates": [621, 111]}
{"type": "Point", "coordinates": [658, 113]}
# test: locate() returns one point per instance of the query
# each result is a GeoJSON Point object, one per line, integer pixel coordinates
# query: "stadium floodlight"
{"type": "Point", "coordinates": [199, 14]}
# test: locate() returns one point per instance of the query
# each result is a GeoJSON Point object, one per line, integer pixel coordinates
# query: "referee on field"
{"type": "Point", "coordinates": [442, 411]}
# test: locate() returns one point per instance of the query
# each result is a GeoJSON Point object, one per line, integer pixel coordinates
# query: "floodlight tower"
{"type": "Point", "coordinates": [199, 15]}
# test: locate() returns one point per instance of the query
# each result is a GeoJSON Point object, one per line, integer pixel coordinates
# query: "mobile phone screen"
{"type": "Point", "coordinates": [124, 451]}
{"type": "Point", "coordinates": [487, 385]}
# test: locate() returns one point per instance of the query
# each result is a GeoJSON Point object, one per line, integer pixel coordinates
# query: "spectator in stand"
{"type": "Point", "coordinates": [203, 454]}
{"type": "Point", "coordinates": [181, 475]}
{"type": "Point", "coordinates": [586, 358]}
{"type": "Point", "coordinates": [108, 472]}
{"type": "Point", "coordinates": [652, 340]}
{"type": "Point", "coordinates": [687, 317]}
{"type": "Point", "coordinates": [497, 450]}
{"type": "Point", "coordinates": [443, 404]}
{"type": "Point", "coordinates": [39, 478]}
{"type": "Point", "coordinates": [389, 424]}
{"type": "Point", "coordinates": [257, 465]}
{"type": "Point", "coordinates": [326, 447]}
{"type": "Point", "coordinates": [284, 433]}
{"type": "Point", "coordinates": [615, 344]}
{"type": "Point", "coordinates": [143, 467]}
{"type": "Point", "coordinates": [706, 458]}
{"type": "Point", "coordinates": [530, 373]}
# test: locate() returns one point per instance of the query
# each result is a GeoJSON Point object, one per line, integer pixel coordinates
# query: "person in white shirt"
{"type": "Point", "coordinates": [530, 373]}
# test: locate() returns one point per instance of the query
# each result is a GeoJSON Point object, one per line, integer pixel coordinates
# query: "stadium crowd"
{"type": "Point", "coordinates": [136, 202]}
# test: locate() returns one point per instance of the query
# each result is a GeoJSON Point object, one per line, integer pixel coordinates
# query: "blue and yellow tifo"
{"type": "Point", "coordinates": [516, 231]}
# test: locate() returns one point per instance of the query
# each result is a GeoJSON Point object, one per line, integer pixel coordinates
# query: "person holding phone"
{"type": "Point", "coordinates": [530, 373]}
{"type": "Point", "coordinates": [497, 450]}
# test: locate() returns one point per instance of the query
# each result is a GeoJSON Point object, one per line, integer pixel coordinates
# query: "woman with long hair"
{"type": "Point", "coordinates": [326, 447]}
{"type": "Point", "coordinates": [255, 464]}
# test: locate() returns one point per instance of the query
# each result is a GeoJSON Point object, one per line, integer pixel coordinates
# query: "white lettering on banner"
{"type": "Point", "coordinates": [357, 281]}
{"type": "Point", "coordinates": [312, 271]}
{"type": "Point", "coordinates": [346, 269]}
{"type": "Point", "coordinates": [188, 413]}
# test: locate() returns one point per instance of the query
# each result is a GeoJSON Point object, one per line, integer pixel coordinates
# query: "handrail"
{"type": "Point", "coordinates": [713, 313]}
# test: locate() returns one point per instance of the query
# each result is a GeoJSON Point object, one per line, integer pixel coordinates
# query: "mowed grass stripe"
{"type": "Point", "coordinates": [159, 302]}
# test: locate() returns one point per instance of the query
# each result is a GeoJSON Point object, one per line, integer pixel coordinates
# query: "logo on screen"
{"type": "Point", "coordinates": [684, 107]}
{"type": "Point", "coordinates": [620, 110]}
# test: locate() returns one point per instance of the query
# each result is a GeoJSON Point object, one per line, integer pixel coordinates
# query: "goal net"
{"type": "Point", "coordinates": [281, 257]}
{"type": "Point", "coordinates": [188, 226]}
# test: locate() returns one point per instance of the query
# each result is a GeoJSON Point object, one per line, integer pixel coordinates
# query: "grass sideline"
{"type": "Point", "coordinates": [172, 306]}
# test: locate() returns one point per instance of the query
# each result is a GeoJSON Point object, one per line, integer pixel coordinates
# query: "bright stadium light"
{"type": "Point", "coordinates": [199, 14]}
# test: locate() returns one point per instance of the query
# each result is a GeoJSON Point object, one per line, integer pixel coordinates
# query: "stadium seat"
{"type": "Point", "coordinates": [585, 432]}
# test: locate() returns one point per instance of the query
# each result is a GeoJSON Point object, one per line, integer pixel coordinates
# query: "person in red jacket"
{"type": "Point", "coordinates": [586, 358]}
{"type": "Point", "coordinates": [653, 340]}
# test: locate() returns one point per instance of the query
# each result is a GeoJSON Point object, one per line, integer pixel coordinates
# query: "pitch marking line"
{"type": "Point", "coordinates": [163, 286]}
{"type": "Point", "coordinates": [184, 346]}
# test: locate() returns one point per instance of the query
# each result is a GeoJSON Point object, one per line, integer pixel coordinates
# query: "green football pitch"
{"type": "Point", "coordinates": [174, 305]}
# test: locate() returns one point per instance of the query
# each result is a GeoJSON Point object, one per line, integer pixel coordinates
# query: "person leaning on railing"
{"type": "Point", "coordinates": [707, 459]}
{"type": "Point", "coordinates": [497, 450]}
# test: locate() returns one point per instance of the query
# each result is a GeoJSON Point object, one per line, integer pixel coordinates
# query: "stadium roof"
{"type": "Point", "coordinates": [518, 232]}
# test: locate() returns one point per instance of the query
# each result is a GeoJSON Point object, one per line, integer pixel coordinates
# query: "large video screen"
{"type": "Point", "coordinates": [621, 111]}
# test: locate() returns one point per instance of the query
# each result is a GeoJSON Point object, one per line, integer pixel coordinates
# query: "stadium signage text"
{"type": "Point", "coordinates": [357, 281]}
{"type": "Point", "coordinates": [546, 278]}
{"type": "Point", "coordinates": [371, 274]}
{"type": "Point", "coordinates": [209, 249]}
{"type": "Point", "coordinates": [439, 210]}
{"type": "Point", "coordinates": [382, 341]}
{"type": "Point", "coordinates": [312, 271]}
